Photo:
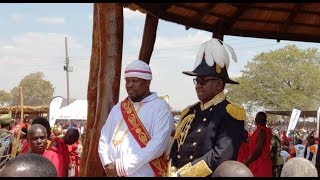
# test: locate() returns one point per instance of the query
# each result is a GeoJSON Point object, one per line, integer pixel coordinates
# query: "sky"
{"type": "Point", "coordinates": [32, 39]}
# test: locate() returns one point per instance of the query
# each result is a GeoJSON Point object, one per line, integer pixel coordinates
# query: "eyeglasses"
{"type": "Point", "coordinates": [201, 81]}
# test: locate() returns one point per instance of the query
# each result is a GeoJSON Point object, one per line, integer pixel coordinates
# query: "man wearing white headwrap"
{"type": "Point", "coordinates": [210, 131]}
{"type": "Point", "coordinates": [134, 138]}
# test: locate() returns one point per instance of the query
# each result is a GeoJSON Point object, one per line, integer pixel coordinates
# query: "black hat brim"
{"type": "Point", "coordinates": [191, 73]}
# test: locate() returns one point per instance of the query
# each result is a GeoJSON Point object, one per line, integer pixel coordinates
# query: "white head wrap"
{"type": "Point", "coordinates": [138, 69]}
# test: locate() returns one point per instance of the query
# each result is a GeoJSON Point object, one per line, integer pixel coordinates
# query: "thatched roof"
{"type": "Point", "coordinates": [281, 21]}
{"type": "Point", "coordinates": [26, 109]}
{"type": "Point", "coordinates": [303, 114]}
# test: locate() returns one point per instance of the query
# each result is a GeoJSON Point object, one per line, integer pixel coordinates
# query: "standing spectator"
{"type": "Point", "coordinates": [298, 149]}
{"type": "Point", "coordinates": [232, 168]}
{"type": "Point", "coordinates": [210, 131]}
{"type": "Point", "coordinates": [243, 152]}
{"type": "Point", "coordinates": [259, 160]}
{"type": "Point", "coordinates": [6, 138]}
{"type": "Point", "coordinates": [74, 157]}
{"type": "Point", "coordinates": [137, 130]}
{"type": "Point", "coordinates": [277, 161]}
{"type": "Point", "coordinates": [29, 165]}
{"type": "Point", "coordinates": [58, 151]}
{"type": "Point", "coordinates": [37, 138]}
{"type": "Point", "coordinates": [311, 149]}
{"type": "Point", "coordinates": [285, 153]}
{"type": "Point", "coordinates": [45, 123]}
{"type": "Point", "coordinates": [23, 140]}
{"type": "Point", "coordinates": [299, 167]}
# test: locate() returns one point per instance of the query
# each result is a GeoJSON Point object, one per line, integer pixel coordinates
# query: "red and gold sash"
{"type": "Point", "coordinates": [140, 134]}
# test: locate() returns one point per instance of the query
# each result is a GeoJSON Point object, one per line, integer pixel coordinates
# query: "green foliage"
{"type": "Point", "coordinates": [5, 97]}
{"type": "Point", "coordinates": [282, 79]}
{"type": "Point", "coordinates": [36, 90]}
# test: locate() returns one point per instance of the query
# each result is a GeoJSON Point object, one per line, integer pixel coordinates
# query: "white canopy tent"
{"type": "Point", "coordinates": [74, 111]}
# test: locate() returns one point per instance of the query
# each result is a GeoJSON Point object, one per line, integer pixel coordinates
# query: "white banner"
{"type": "Point", "coordinates": [293, 120]}
{"type": "Point", "coordinates": [54, 107]}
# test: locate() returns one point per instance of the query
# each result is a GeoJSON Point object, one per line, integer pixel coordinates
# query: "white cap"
{"type": "Point", "coordinates": [138, 69]}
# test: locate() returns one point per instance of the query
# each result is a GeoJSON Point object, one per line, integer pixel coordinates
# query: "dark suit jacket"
{"type": "Point", "coordinates": [215, 135]}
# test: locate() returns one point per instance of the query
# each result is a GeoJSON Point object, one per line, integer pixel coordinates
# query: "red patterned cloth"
{"type": "Point", "coordinates": [261, 167]}
{"type": "Point", "coordinates": [59, 156]}
{"type": "Point", "coordinates": [74, 157]}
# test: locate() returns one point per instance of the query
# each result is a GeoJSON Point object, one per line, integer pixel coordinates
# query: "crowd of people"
{"type": "Point", "coordinates": [59, 145]}
{"type": "Point", "coordinates": [139, 138]}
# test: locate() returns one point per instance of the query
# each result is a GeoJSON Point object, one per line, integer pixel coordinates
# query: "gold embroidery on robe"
{"type": "Point", "coordinates": [200, 169]}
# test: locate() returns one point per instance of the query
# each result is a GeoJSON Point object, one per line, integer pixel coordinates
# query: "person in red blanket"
{"type": "Point", "coordinates": [259, 161]}
{"type": "Point", "coordinates": [45, 123]}
{"type": "Point", "coordinates": [243, 152]}
{"type": "Point", "coordinates": [58, 151]}
{"type": "Point", "coordinates": [75, 157]}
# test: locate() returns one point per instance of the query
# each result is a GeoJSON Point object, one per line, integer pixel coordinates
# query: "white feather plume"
{"type": "Point", "coordinates": [215, 52]}
{"type": "Point", "coordinates": [231, 51]}
{"type": "Point", "coordinates": [218, 52]}
{"type": "Point", "coordinates": [199, 56]}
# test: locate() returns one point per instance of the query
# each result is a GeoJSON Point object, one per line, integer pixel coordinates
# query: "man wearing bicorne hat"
{"type": "Point", "coordinates": [6, 138]}
{"type": "Point", "coordinates": [210, 131]}
{"type": "Point", "coordinates": [134, 138]}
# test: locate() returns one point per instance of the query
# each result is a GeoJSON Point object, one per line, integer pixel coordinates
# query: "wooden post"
{"type": "Point", "coordinates": [149, 38]}
{"type": "Point", "coordinates": [219, 31]}
{"type": "Point", "coordinates": [104, 80]}
{"type": "Point", "coordinates": [16, 141]}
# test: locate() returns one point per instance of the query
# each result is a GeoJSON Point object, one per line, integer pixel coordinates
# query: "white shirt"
{"type": "Point", "coordinates": [285, 155]}
{"type": "Point", "coordinates": [299, 150]}
{"type": "Point", "coordinates": [131, 159]}
{"type": "Point", "coordinates": [313, 160]}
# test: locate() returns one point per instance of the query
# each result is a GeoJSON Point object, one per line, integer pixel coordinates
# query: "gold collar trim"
{"type": "Point", "coordinates": [214, 101]}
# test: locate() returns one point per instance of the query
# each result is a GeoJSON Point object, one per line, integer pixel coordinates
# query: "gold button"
{"type": "Point", "coordinates": [194, 144]}
{"type": "Point", "coordinates": [204, 119]}
{"type": "Point", "coordinates": [191, 157]}
{"type": "Point", "coordinates": [178, 156]}
{"type": "Point", "coordinates": [199, 130]}
{"type": "Point", "coordinates": [188, 127]}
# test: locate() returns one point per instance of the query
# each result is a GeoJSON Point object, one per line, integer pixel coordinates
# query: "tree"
{"type": "Point", "coordinates": [36, 90]}
{"type": "Point", "coordinates": [282, 79]}
{"type": "Point", "coordinates": [5, 97]}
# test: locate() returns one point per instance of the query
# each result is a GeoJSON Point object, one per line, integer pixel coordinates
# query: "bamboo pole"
{"type": "Point", "coordinates": [16, 141]}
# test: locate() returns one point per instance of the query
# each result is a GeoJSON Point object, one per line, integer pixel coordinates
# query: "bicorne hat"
{"type": "Point", "coordinates": [213, 60]}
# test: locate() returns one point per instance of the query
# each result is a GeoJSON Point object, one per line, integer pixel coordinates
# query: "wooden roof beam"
{"type": "Point", "coordinates": [277, 22]}
{"type": "Point", "coordinates": [272, 35]}
{"type": "Point", "coordinates": [290, 18]}
{"type": "Point", "coordinates": [160, 8]}
{"type": "Point", "coordinates": [241, 8]}
{"type": "Point", "coordinates": [205, 11]}
{"type": "Point", "coordinates": [280, 9]}
{"type": "Point", "coordinates": [197, 18]}
{"type": "Point", "coordinates": [161, 14]}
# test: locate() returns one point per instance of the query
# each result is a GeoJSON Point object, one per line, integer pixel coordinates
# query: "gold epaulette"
{"type": "Point", "coordinates": [236, 111]}
{"type": "Point", "coordinates": [200, 169]}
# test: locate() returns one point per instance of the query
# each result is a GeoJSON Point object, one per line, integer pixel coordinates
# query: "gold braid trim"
{"type": "Point", "coordinates": [200, 169]}
{"type": "Point", "coordinates": [181, 123]}
{"type": "Point", "coordinates": [236, 111]}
